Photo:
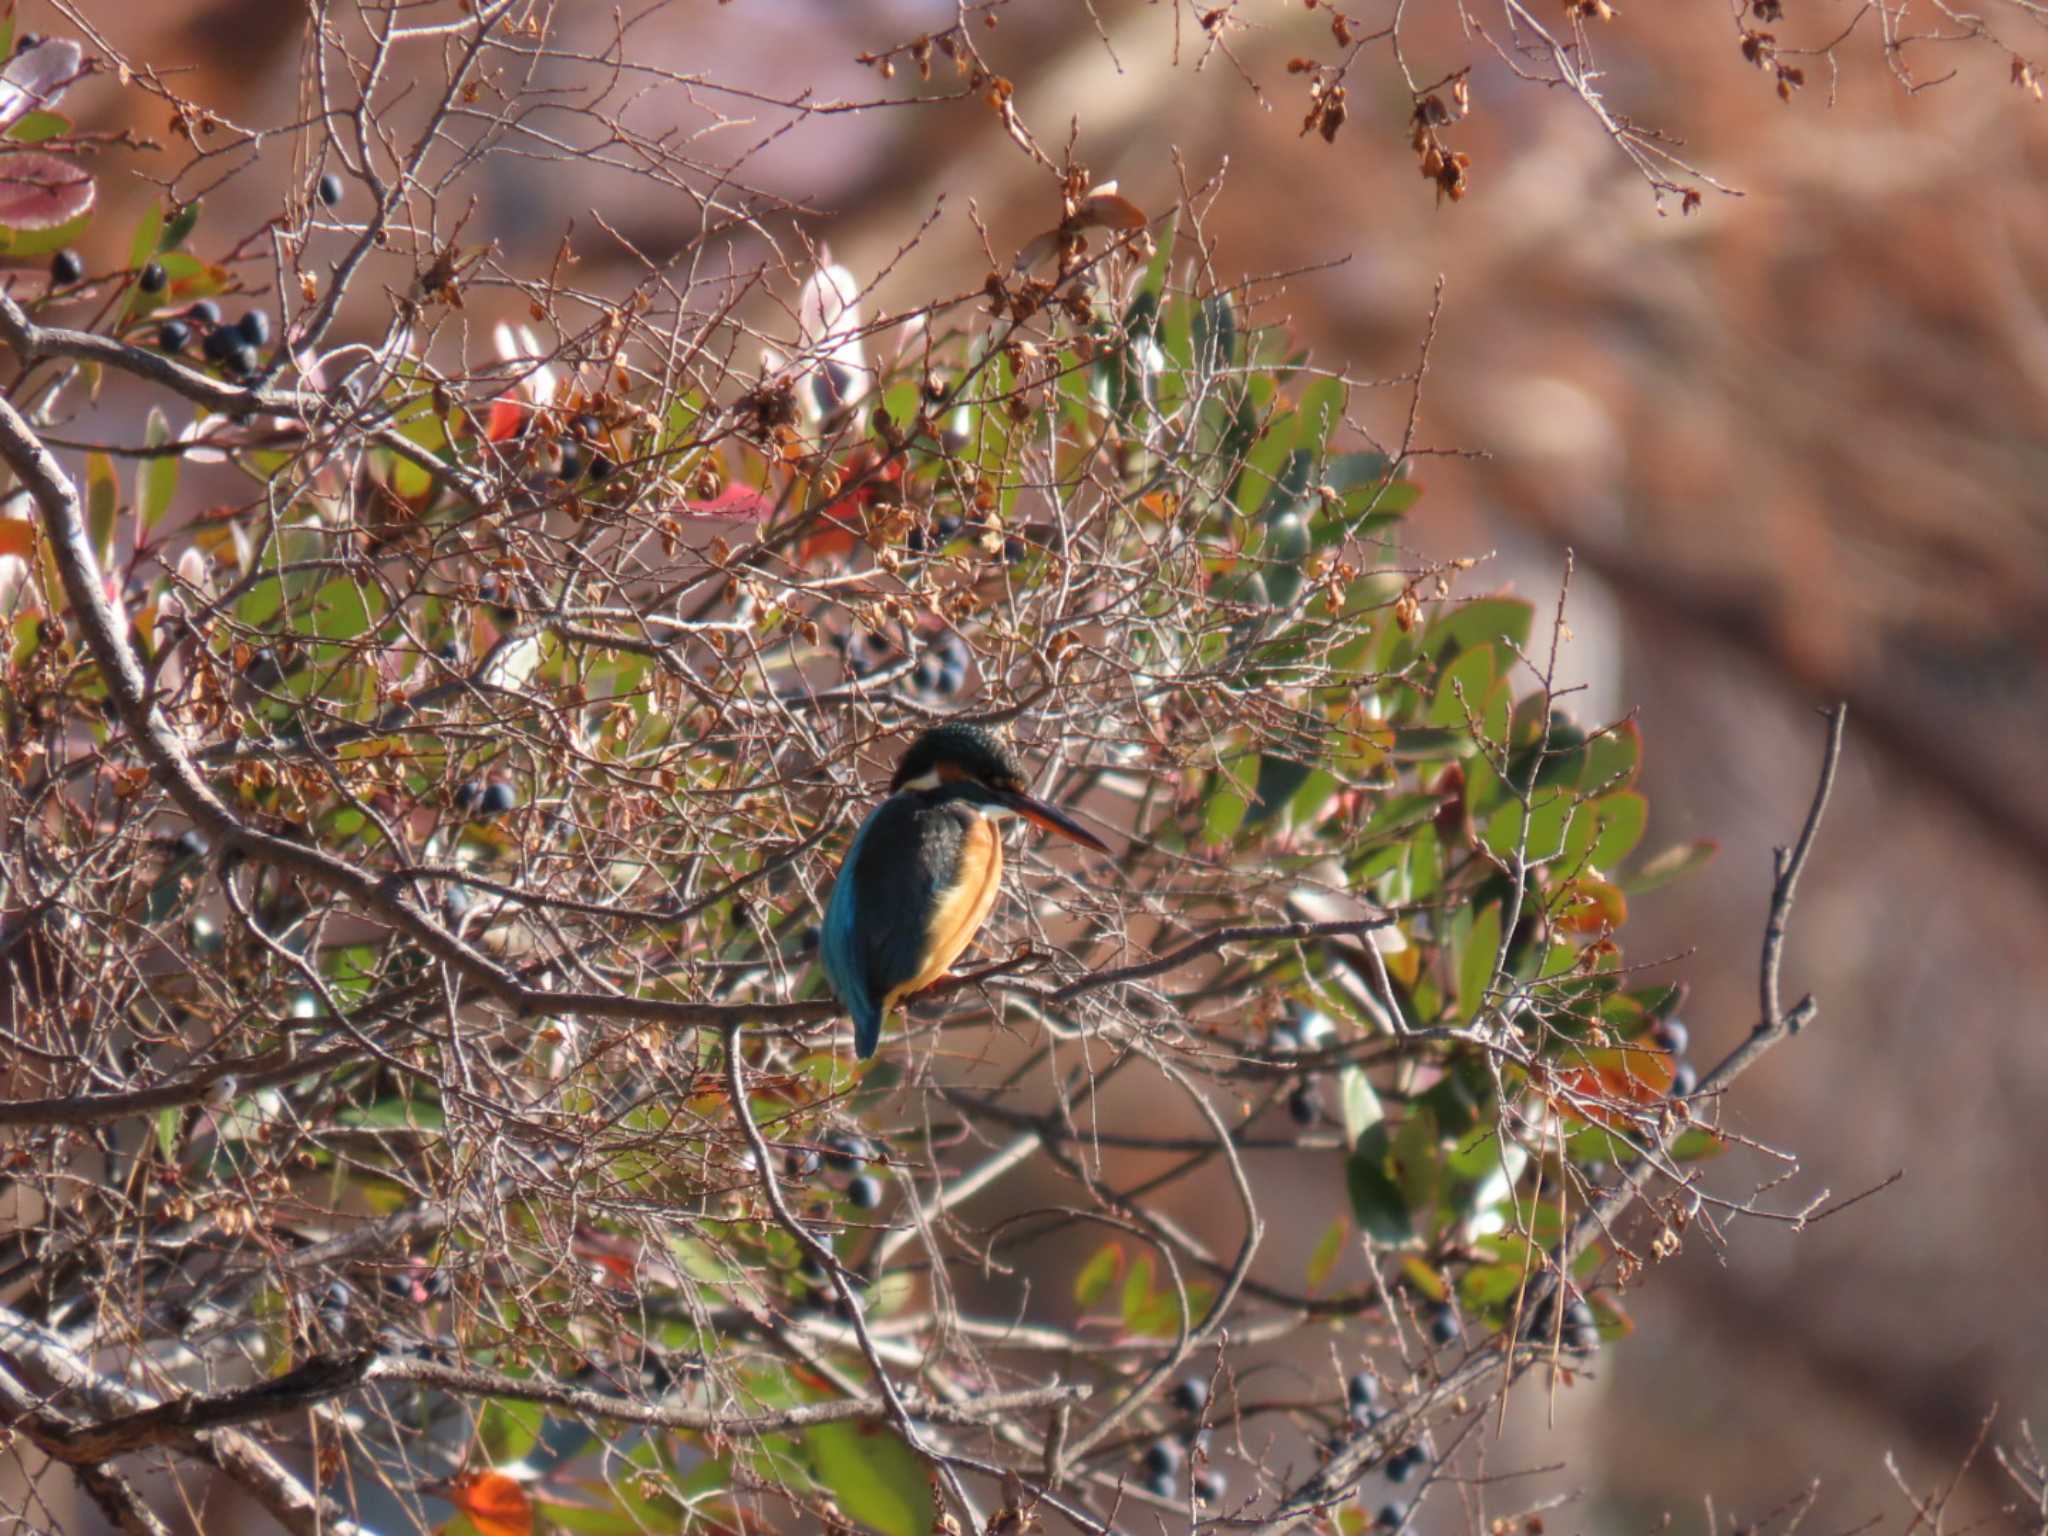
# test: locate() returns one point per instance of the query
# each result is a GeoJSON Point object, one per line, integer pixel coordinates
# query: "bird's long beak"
{"type": "Point", "coordinates": [1051, 818]}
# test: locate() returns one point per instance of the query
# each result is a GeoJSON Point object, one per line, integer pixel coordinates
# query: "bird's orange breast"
{"type": "Point", "coordinates": [962, 908]}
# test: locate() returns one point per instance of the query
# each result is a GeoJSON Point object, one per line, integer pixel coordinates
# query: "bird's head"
{"type": "Point", "coordinates": [972, 764]}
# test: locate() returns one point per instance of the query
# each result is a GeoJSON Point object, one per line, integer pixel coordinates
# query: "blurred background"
{"type": "Point", "coordinates": [1798, 442]}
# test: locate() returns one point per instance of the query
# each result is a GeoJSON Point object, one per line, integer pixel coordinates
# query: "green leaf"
{"type": "Point", "coordinates": [1329, 1249]}
{"type": "Point", "coordinates": [1321, 413]}
{"type": "Point", "coordinates": [1214, 329]}
{"type": "Point", "coordinates": [1376, 1200]}
{"type": "Point", "coordinates": [1620, 820]}
{"type": "Point", "coordinates": [873, 1476]}
{"type": "Point", "coordinates": [1427, 1281]}
{"type": "Point", "coordinates": [1462, 691]}
{"type": "Point", "coordinates": [156, 480]}
{"type": "Point", "coordinates": [167, 1132]}
{"type": "Point", "coordinates": [1418, 1160]}
{"type": "Point", "coordinates": [1099, 1274]}
{"type": "Point", "coordinates": [1279, 780]}
{"type": "Point", "coordinates": [342, 609]}
{"type": "Point", "coordinates": [1695, 1145]}
{"type": "Point", "coordinates": [148, 231]}
{"type": "Point", "coordinates": [1228, 802]}
{"type": "Point", "coordinates": [1137, 1292]}
{"type": "Point", "coordinates": [1549, 818]}
{"type": "Point", "coordinates": [179, 226]}
{"type": "Point", "coordinates": [38, 126]}
{"type": "Point", "coordinates": [1612, 759]}
{"type": "Point", "coordinates": [1475, 962]}
{"type": "Point", "coordinates": [1672, 864]}
{"type": "Point", "coordinates": [1160, 1318]}
{"type": "Point", "coordinates": [1489, 1285]}
{"type": "Point", "coordinates": [42, 242]}
{"type": "Point", "coordinates": [1268, 450]}
{"type": "Point", "coordinates": [1357, 1102]}
{"type": "Point", "coordinates": [509, 1428]}
{"type": "Point", "coordinates": [1284, 545]}
{"type": "Point", "coordinates": [1484, 621]}
{"type": "Point", "coordinates": [103, 500]}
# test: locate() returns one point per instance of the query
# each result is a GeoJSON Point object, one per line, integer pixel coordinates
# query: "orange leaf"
{"type": "Point", "coordinates": [1609, 1084]}
{"type": "Point", "coordinates": [508, 415]}
{"type": "Point", "coordinates": [1589, 905]}
{"type": "Point", "coordinates": [496, 1505]}
{"type": "Point", "coordinates": [17, 537]}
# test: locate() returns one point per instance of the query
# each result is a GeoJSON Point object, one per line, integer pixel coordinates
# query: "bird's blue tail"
{"type": "Point", "coordinates": [846, 969]}
{"type": "Point", "coordinates": [867, 1027]}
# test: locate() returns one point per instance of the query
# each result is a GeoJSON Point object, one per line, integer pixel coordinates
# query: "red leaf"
{"type": "Point", "coordinates": [507, 418]}
{"type": "Point", "coordinates": [495, 1504]}
{"type": "Point", "coordinates": [734, 501]}
{"type": "Point", "coordinates": [36, 78]}
{"type": "Point", "coordinates": [39, 191]}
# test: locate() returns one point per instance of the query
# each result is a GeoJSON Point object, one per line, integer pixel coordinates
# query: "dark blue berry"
{"type": "Point", "coordinates": [1283, 1041]}
{"type": "Point", "coordinates": [496, 799]}
{"type": "Point", "coordinates": [946, 527]}
{"type": "Point", "coordinates": [801, 1162]}
{"type": "Point", "coordinates": [153, 278]}
{"type": "Point", "coordinates": [243, 359]}
{"type": "Point", "coordinates": [572, 465]}
{"type": "Point", "coordinates": [1013, 549]}
{"type": "Point", "coordinates": [1303, 1107]}
{"type": "Point", "coordinates": [66, 268]}
{"type": "Point", "coordinates": [1684, 1079]}
{"type": "Point", "coordinates": [1190, 1395]}
{"type": "Point", "coordinates": [254, 328]}
{"type": "Point", "coordinates": [1673, 1036]}
{"type": "Point", "coordinates": [587, 426]}
{"type": "Point", "coordinates": [865, 1192]}
{"type": "Point", "coordinates": [1391, 1516]}
{"type": "Point", "coordinates": [498, 598]}
{"type": "Point", "coordinates": [191, 844]}
{"type": "Point", "coordinates": [174, 336]}
{"type": "Point", "coordinates": [601, 467]}
{"type": "Point", "coordinates": [1164, 1486]}
{"type": "Point", "coordinates": [1162, 1458]}
{"type": "Point", "coordinates": [328, 189]}
{"type": "Point", "coordinates": [1443, 1326]}
{"type": "Point", "coordinates": [1581, 1329]}
{"type": "Point", "coordinates": [1209, 1486]}
{"type": "Point", "coordinates": [845, 1153]}
{"type": "Point", "coordinates": [219, 343]}
{"type": "Point", "coordinates": [1363, 1390]}
{"type": "Point", "coordinates": [1402, 1464]}
{"type": "Point", "coordinates": [205, 312]}
{"type": "Point", "coordinates": [467, 795]}
{"type": "Point", "coordinates": [914, 540]}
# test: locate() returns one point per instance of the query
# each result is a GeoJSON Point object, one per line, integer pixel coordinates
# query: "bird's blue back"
{"type": "Point", "coordinates": [846, 967]}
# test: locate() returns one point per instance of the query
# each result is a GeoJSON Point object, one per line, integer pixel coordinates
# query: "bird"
{"type": "Point", "coordinates": [924, 870]}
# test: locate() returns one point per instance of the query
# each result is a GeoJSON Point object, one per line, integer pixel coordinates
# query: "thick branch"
{"type": "Point", "coordinates": [473, 1382]}
{"type": "Point", "coordinates": [293, 1505]}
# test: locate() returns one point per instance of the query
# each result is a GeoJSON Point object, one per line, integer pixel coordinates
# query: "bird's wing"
{"type": "Point", "coordinates": [908, 861]}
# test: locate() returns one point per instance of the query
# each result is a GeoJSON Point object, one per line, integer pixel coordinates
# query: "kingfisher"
{"type": "Point", "coordinates": [924, 871]}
